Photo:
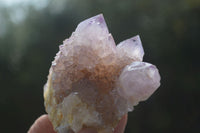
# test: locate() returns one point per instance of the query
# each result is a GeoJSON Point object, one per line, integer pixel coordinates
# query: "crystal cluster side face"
{"type": "Point", "coordinates": [92, 82]}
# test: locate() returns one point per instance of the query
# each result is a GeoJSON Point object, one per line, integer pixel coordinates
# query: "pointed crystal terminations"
{"type": "Point", "coordinates": [138, 81]}
{"type": "Point", "coordinates": [89, 24]}
{"type": "Point", "coordinates": [131, 48]}
{"type": "Point", "coordinates": [93, 83]}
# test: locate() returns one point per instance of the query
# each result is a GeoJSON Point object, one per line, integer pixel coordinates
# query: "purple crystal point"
{"type": "Point", "coordinates": [132, 48]}
{"type": "Point", "coordinates": [94, 22]}
{"type": "Point", "coordinates": [138, 81]}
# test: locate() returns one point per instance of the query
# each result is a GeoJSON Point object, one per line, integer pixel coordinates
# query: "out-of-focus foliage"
{"type": "Point", "coordinates": [31, 33]}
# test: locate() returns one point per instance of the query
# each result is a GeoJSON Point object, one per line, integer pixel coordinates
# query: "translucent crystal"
{"type": "Point", "coordinates": [138, 81]}
{"type": "Point", "coordinates": [131, 48]}
{"type": "Point", "coordinates": [93, 83]}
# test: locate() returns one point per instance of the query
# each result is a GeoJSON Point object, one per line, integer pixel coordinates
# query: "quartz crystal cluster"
{"type": "Point", "coordinates": [92, 82]}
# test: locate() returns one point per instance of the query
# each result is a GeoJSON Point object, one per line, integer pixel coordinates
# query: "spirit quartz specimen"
{"type": "Point", "coordinates": [92, 82]}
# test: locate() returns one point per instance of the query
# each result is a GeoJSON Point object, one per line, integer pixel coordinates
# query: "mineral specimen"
{"type": "Point", "coordinates": [92, 82]}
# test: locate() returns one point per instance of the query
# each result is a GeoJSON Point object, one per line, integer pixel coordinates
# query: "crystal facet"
{"type": "Point", "coordinates": [134, 78]}
{"type": "Point", "coordinates": [92, 82]}
{"type": "Point", "coordinates": [131, 48]}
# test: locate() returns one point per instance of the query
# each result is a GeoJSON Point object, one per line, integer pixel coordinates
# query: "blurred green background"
{"type": "Point", "coordinates": [31, 31]}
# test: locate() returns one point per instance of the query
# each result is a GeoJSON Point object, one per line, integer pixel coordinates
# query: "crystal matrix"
{"type": "Point", "coordinates": [92, 82]}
